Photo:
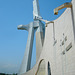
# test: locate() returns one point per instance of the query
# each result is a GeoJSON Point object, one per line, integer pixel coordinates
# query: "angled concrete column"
{"type": "Point", "coordinates": [40, 32]}
{"type": "Point", "coordinates": [73, 17]}
{"type": "Point", "coordinates": [39, 39]}
{"type": "Point", "coordinates": [26, 63]}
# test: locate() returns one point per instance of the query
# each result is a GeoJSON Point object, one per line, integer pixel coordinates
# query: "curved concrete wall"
{"type": "Point", "coordinates": [61, 51]}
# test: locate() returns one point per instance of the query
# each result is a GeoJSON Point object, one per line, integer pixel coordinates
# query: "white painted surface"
{"type": "Point", "coordinates": [60, 64]}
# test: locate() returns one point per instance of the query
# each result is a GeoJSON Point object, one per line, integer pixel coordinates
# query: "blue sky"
{"type": "Point", "coordinates": [13, 41]}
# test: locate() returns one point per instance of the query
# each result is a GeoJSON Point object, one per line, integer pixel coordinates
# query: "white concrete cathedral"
{"type": "Point", "coordinates": [57, 54]}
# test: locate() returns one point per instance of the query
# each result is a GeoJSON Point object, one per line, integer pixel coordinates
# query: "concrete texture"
{"type": "Point", "coordinates": [40, 33]}
{"type": "Point", "coordinates": [60, 53]}
{"type": "Point", "coordinates": [26, 63]}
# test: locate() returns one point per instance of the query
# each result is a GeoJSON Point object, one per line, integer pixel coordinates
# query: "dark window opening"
{"type": "Point", "coordinates": [49, 69]}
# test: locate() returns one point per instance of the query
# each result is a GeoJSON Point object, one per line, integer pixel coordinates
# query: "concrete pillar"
{"type": "Point", "coordinates": [73, 16]}
{"type": "Point", "coordinates": [40, 34]}
{"type": "Point", "coordinates": [26, 63]}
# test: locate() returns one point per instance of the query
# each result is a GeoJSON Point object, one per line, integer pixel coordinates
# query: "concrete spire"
{"type": "Point", "coordinates": [36, 11]}
{"type": "Point", "coordinates": [40, 31]}
{"type": "Point", "coordinates": [39, 26]}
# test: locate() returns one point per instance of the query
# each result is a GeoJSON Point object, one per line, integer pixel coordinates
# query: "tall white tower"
{"type": "Point", "coordinates": [39, 26]}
